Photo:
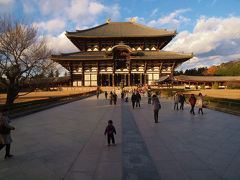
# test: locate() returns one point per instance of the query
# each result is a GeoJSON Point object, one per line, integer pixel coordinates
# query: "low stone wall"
{"type": "Point", "coordinates": [80, 89]}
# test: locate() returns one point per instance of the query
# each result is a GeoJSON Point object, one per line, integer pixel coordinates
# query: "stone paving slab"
{"type": "Point", "coordinates": [137, 163]}
{"type": "Point", "coordinates": [67, 142]}
{"type": "Point", "coordinates": [184, 146]}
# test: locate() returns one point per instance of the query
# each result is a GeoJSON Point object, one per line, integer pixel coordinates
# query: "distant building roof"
{"type": "Point", "coordinates": [121, 29]}
{"type": "Point", "coordinates": [207, 78]}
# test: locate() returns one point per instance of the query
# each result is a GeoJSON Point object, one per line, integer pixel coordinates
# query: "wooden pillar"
{"type": "Point", "coordinates": [141, 80]}
{"type": "Point", "coordinates": [113, 79]}
{"type": "Point", "coordinates": [71, 74]}
{"type": "Point", "coordinates": [172, 70]}
{"type": "Point", "coordinates": [125, 79]}
{"type": "Point", "coordinates": [129, 73]}
{"type": "Point", "coordinates": [189, 84]}
{"type": "Point", "coordinates": [145, 73]}
{"type": "Point", "coordinates": [109, 80]}
{"type": "Point", "coordinates": [98, 76]}
{"type": "Point", "coordinates": [160, 70]}
{"type": "Point", "coordinates": [83, 74]}
{"type": "Point", "coordinates": [101, 79]}
{"type": "Point", "coordinates": [129, 79]}
{"type": "Point", "coordinates": [113, 75]}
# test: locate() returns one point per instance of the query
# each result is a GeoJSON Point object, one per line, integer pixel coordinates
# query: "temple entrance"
{"type": "Point", "coordinates": [121, 78]}
{"type": "Point", "coordinates": [105, 79]}
{"type": "Point", "coordinates": [137, 79]}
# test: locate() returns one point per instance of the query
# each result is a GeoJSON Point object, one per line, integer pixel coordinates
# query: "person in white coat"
{"type": "Point", "coordinates": [200, 103]}
{"type": "Point", "coordinates": [176, 100]}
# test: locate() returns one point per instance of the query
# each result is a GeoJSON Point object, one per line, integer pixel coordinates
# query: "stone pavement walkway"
{"type": "Point", "coordinates": [67, 142]}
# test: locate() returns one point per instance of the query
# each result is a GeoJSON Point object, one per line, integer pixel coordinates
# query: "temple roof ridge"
{"type": "Point", "coordinates": [121, 29]}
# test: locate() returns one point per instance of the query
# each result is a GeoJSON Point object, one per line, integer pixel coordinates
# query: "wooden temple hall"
{"type": "Point", "coordinates": [120, 53]}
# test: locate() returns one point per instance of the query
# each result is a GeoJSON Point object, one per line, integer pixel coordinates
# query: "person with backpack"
{"type": "Point", "coordinates": [138, 99]}
{"type": "Point", "coordinates": [5, 133]}
{"type": "Point", "coordinates": [192, 101]}
{"type": "Point", "coordinates": [181, 101]}
{"type": "Point", "coordinates": [149, 97]}
{"type": "Point", "coordinates": [133, 98]}
{"type": "Point", "coordinates": [109, 131]}
{"type": "Point", "coordinates": [111, 97]}
{"type": "Point", "coordinates": [115, 98]}
{"type": "Point", "coordinates": [106, 94]}
{"type": "Point", "coordinates": [156, 107]}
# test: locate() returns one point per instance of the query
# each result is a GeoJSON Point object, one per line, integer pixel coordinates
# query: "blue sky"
{"type": "Point", "coordinates": [208, 28]}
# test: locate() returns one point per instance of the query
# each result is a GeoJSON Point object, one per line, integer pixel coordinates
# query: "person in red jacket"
{"type": "Point", "coordinates": [192, 101]}
{"type": "Point", "coordinates": [109, 131]}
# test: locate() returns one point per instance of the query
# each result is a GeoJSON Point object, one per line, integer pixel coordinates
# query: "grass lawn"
{"type": "Point", "coordinates": [33, 96]}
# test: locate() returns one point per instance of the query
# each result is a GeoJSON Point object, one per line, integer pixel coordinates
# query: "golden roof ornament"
{"type": "Point", "coordinates": [132, 20]}
{"type": "Point", "coordinates": [108, 20]}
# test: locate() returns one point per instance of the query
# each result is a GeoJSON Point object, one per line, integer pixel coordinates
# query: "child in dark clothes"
{"type": "Point", "coordinates": [110, 129]}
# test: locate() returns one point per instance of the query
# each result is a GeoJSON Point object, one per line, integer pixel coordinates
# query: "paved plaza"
{"type": "Point", "coordinates": [67, 142]}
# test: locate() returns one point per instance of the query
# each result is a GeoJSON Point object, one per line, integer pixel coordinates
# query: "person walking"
{"type": "Point", "coordinates": [126, 97]}
{"type": "Point", "coordinates": [5, 133]}
{"type": "Point", "coordinates": [122, 96]}
{"type": "Point", "coordinates": [156, 106]}
{"type": "Point", "coordinates": [176, 100]}
{"type": "Point", "coordinates": [106, 94]}
{"type": "Point", "coordinates": [111, 97]}
{"type": "Point", "coordinates": [133, 98]}
{"type": "Point", "coordinates": [182, 100]}
{"type": "Point", "coordinates": [115, 98]}
{"type": "Point", "coordinates": [192, 101]}
{"type": "Point", "coordinates": [138, 99]}
{"type": "Point", "coordinates": [149, 98]}
{"type": "Point", "coordinates": [98, 94]}
{"type": "Point", "coordinates": [109, 131]}
{"type": "Point", "coordinates": [200, 103]}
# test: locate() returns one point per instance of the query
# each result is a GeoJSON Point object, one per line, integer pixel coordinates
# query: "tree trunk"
{"type": "Point", "coordinates": [12, 94]}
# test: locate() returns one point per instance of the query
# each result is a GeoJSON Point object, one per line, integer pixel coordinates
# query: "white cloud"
{"type": "Point", "coordinates": [6, 6]}
{"type": "Point", "coordinates": [52, 26]}
{"type": "Point", "coordinates": [28, 6]}
{"type": "Point", "coordinates": [54, 8]}
{"type": "Point", "coordinates": [213, 40]}
{"type": "Point", "coordinates": [6, 1]}
{"type": "Point", "coordinates": [84, 10]}
{"type": "Point", "coordinates": [113, 11]}
{"type": "Point", "coordinates": [60, 44]}
{"type": "Point", "coordinates": [95, 8]}
{"type": "Point", "coordinates": [139, 20]}
{"type": "Point", "coordinates": [82, 27]}
{"type": "Point", "coordinates": [154, 12]}
{"type": "Point", "coordinates": [173, 20]}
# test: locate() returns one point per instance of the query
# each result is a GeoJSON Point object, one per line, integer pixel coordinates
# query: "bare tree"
{"type": "Point", "coordinates": [23, 55]}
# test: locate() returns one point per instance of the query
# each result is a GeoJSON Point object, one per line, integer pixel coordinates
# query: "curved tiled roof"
{"type": "Point", "coordinates": [207, 78]}
{"type": "Point", "coordinates": [121, 29]}
{"type": "Point", "coordinates": [99, 55]}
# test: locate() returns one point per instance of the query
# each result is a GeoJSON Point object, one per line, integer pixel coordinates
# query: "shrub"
{"type": "Point", "coordinates": [203, 86]}
{"type": "Point", "coordinates": [215, 85]}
